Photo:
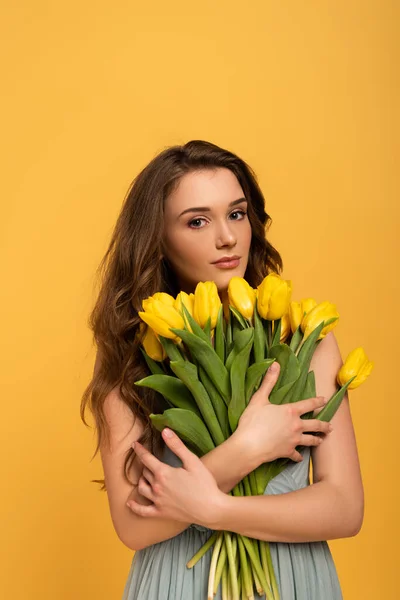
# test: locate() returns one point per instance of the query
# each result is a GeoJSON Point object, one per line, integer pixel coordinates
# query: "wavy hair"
{"type": "Point", "coordinates": [133, 269]}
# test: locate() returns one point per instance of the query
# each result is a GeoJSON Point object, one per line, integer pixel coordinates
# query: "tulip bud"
{"type": "Point", "coordinates": [184, 299]}
{"type": "Point", "coordinates": [152, 345]}
{"type": "Point", "coordinates": [285, 327]}
{"type": "Point", "coordinates": [242, 296]}
{"type": "Point", "coordinates": [161, 315]}
{"type": "Point", "coordinates": [323, 311]}
{"type": "Point", "coordinates": [206, 303]}
{"type": "Point", "coordinates": [297, 311]}
{"type": "Point", "coordinates": [356, 364]}
{"type": "Point", "coordinates": [273, 298]}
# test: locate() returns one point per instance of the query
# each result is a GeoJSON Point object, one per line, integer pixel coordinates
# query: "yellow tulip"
{"type": "Point", "coordinates": [356, 364]}
{"type": "Point", "coordinates": [166, 299]}
{"type": "Point", "coordinates": [242, 296]}
{"type": "Point", "coordinates": [187, 300]}
{"type": "Point", "coordinates": [285, 327]}
{"type": "Point", "coordinates": [206, 303]}
{"type": "Point", "coordinates": [160, 316]}
{"type": "Point", "coordinates": [152, 344]}
{"type": "Point", "coordinates": [274, 295]}
{"type": "Point", "coordinates": [321, 312]}
{"type": "Point", "coordinates": [297, 310]}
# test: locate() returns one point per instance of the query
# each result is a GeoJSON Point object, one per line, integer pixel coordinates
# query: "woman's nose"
{"type": "Point", "coordinates": [225, 236]}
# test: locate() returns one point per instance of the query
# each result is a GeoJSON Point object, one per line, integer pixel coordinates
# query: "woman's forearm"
{"type": "Point", "coordinates": [228, 463]}
{"type": "Point", "coordinates": [317, 512]}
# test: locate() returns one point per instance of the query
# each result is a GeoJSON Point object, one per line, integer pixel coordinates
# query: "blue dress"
{"type": "Point", "coordinates": [304, 571]}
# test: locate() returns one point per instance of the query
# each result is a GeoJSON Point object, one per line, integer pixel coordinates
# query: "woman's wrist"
{"type": "Point", "coordinates": [245, 460]}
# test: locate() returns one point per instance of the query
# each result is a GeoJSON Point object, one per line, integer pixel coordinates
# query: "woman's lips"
{"type": "Point", "coordinates": [228, 264]}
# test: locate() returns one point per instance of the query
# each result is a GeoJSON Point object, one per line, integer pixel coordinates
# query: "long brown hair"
{"type": "Point", "coordinates": [133, 269]}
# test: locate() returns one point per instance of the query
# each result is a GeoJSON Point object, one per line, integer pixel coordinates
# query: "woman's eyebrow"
{"type": "Point", "coordinates": [206, 208]}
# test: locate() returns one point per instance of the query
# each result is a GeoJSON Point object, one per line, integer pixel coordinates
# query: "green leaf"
{"type": "Point", "coordinates": [197, 330]}
{"type": "Point", "coordinates": [219, 336]}
{"type": "Point", "coordinates": [241, 340]}
{"type": "Point", "coordinates": [173, 389]}
{"type": "Point", "coordinates": [304, 357]}
{"type": "Point", "coordinates": [296, 339]}
{"type": "Point", "coordinates": [154, 366]}
{"type": "Point", "coordinates": [229, 335]}
{"type": "Point", "coordinates": [207, 330]}
{"type": "Point", "coordinates": [217, 402]}
{"type": "Point", "coordinates": [170, 348]}
{"type": "Point", "coordinates": [209, 360]}
{"type": "Point", "coordinates": [308, 392]}
{"type": "Point", "coordinates": [335, 401]}
{"type": "Point", "coordinates": [187, 372]}
{"type": "Point", "coordinates": [238, 374]}
{"type": "Point", "coordinates": [188, 426]}
{"type": "Point", "coordinates": [253, 375]}
{"type": "Point", "coordinates": [259, 337]}
{"type": "Point", "coordinates": [238, 316]}
{"type": "Point", "coordinates": [277, 333]}
{"type": "Point", "coordinates": [288, 374]}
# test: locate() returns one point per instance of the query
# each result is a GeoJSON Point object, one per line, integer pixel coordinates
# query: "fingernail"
{"type": "Point", "coordinates": [133, 445]}
{"type": "Point", "coordinates": [273, 367]}
{"type": "Point", "coordinates": [167, 432]}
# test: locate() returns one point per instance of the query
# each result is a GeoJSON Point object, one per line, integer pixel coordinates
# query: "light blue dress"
{"type": "Point", "coordinates": [304, 571]}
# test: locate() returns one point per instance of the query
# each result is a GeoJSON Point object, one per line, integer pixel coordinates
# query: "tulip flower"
{"type": "Point", "coordinates": [206, 303]}
{"type": "Point", "coordinates": [273, 297]}
{"type": "Point", "coordinates": [242, 296]}
{"type": "Point", "coordinates": [151, 343]}
{"type": "Point", "coordinates": [184, 299]}
{"type": "Point", "coordinates": [166, 299]}
{"type": "Point", "coordinates": [323, 311]}
{"type": "Point", "coordinates": [356, 364]}
{"type": "Point", "coordinates": [285, 327]}
{"type": "Point", "coordinates": [160, 315]}
{"type": "Point", "coordinates": [297, 310]}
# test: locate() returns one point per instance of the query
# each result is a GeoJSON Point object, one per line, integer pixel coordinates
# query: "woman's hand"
{"type": "Point", "coordinates": [189, 493]}
{"type": "Point", "coordinates": [271, 431]}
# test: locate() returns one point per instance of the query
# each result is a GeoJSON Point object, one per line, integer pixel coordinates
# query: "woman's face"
{"type": "Point", "coordinates": [205, 219]}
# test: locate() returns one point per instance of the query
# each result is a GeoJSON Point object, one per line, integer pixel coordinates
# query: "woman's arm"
{"type": "Point", "coordinates": [333, 506]}
{"type": "Point", "coordinates": [228, 463]}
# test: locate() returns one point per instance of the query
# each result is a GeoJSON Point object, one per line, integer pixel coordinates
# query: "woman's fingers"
{"type": "Point", "coordinates": [316, 425]}
{"type": "Point", "coordinates": [188, 458]}
{"type": "Point", "coordinates": [305, 406]}
{"type": "Point", "coordinates": [310, 440]}
{"type": "Point", "coordinates": [147, 458]}
{"type": "Point", "coordinates": [296, 456]}
{"type": "Point", "coordinates": [269, 380]}
{"type": "Point", "coordinates": [147, 474]}
{"type": "Point", "coordinates": [145, 489]}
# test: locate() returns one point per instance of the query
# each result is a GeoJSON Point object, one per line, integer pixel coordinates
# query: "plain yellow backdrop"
{"type": "Point", "coordinates": [308, 94]}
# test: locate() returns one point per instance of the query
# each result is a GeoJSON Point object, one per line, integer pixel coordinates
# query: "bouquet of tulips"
{"type": "Point", "coordinates": [207, 359]}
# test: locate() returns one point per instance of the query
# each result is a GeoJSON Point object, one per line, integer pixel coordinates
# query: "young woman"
{"type": "Point", "coordinates": [196, 213]}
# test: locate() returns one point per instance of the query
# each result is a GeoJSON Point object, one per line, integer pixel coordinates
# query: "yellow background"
{"type": "Point", "coordinates": [308, 94]}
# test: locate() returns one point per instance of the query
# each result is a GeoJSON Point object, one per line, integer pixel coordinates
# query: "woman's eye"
{"type": "Point", "coordinates": [193, 222]}
{"type": "Point", "coordinates": [239, 212]}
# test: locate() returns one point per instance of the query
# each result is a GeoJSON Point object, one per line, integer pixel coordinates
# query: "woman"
{"type": "Point", "coordinates": [196, 213]}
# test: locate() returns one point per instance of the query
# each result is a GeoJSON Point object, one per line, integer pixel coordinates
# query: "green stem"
{"type": "Point", "coordinates": [220, 567]}
{"type": "Point", "coordinates": [213, 565]}
{"type": "Point", "coordinates": [274, 585]}
{"type": "Point", "coordinates": [245, 567]}
{"type": "Point", "coordinates": [268, 591]}
{"type": "Point", "coordinates": [232, 566]}
{"type": "Point", "coordinates": [202, 550]}
{"type": "Point", "coordinates": [225, 579]}
{"type": "Point", "coordinates": [256, 562]}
